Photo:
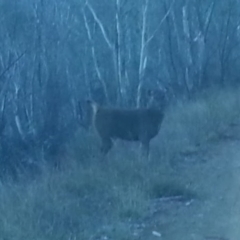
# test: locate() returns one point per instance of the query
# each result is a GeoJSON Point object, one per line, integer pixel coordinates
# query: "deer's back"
{"type": "Point", "coordinates": [128, 124]}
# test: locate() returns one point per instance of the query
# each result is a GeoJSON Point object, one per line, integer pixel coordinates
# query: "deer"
{"type": "Point", "coordinates": [137, 124]}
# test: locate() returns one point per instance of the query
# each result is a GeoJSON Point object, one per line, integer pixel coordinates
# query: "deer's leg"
{"type": "Point", "coordinates": [106, 145]}
{"type": "Point", "coordinates": [145, 148]}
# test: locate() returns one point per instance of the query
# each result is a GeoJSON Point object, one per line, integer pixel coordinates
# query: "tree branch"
{"type": "Point", "coordinates": [12, 64]}
{"type": "Point", "coordinates": [110, 45]}
{"type": "Point", "coordinates": [161, 22]}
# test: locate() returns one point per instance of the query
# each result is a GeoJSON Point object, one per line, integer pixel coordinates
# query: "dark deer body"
{"type": "Point", "coordinates": [127, 124]}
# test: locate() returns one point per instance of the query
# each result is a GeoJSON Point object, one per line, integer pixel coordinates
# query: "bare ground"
{"type": "Point", "coordinates": [215, 213]}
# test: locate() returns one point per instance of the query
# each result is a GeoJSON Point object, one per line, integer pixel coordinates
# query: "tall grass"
{"type": "Point", "coordinates": [90, 198]}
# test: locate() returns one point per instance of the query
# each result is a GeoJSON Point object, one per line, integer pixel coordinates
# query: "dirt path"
{"type": "Point", "coordinates": [215, 176]}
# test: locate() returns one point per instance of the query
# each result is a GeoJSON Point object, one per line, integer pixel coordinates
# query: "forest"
{"type": "Point", "coordinates": [55, 55]}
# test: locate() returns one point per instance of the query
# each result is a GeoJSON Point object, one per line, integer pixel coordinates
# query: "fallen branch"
{"type": "Point", "coordinates": [169, 199]}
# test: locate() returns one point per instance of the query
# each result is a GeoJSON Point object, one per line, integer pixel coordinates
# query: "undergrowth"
{"type": "Point", "coordinates": [90, 198]}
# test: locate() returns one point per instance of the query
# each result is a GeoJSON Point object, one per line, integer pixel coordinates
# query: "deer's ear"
{"type": "Point", "coordinates": [150, 92]}
{"type": "Point", "coordinates": [89, 102]}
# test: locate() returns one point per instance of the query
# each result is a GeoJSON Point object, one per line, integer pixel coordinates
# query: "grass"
{"type": "Point", "coordinates": [90, 199]}
{"type": "Point", "coordinates": [190, 124]}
